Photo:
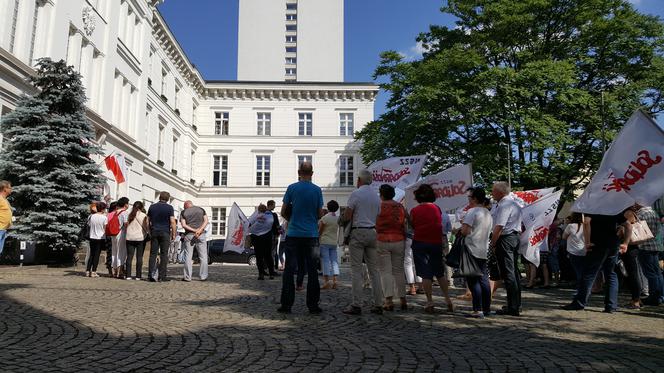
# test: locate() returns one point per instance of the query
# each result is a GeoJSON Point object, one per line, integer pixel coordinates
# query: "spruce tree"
{"type": "Point", "coordinates": [47, 155]}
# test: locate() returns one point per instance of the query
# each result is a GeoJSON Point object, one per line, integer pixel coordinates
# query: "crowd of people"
{"type": "Point", "coordinates": [385, 242]}
{"type": "Point", "coordinates": [123, 232]}
{"type": "Point", "coordinates": [396, 252]}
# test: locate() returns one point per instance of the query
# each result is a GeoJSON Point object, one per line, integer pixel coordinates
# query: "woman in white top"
{"type": "Point", "coordinates": [477, 227]}
{"type": "Point", "coordinates": [97, 222]}
{"type": "Point", "coordinates": [136, 232]}
{"type": "Point", "coordinates": [328, 231]}
{"type": "Point", "coordinates": [576, 247]}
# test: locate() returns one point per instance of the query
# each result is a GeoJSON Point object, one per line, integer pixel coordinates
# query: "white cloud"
{"type": "Point", "coordinates": [414, 52]}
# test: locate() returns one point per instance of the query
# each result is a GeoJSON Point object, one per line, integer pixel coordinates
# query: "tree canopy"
{"type": "Point", "coordinates": [529, 73]}
{"type": "Point", "coordinates": [46, 155]}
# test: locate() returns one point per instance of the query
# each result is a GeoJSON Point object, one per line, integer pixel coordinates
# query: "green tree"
{"type": "Point", "coordinates": [529, 73]}
{"type": "Point", "coordinates": [47, 156]}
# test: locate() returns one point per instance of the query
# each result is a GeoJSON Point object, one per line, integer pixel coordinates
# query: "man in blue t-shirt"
{"type": "Point", "coordinates": [302, 207]}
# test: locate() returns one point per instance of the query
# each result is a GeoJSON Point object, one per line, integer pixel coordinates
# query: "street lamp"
{"type": "Point", "coordinates": [509, 164]}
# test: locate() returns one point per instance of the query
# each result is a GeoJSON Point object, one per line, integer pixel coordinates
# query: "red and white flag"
{"type": "Point", "coordinates": [117, 165]}
{"type": "Point", "coordinates": [398, 172]}
{"type": "Point", "coordinates": [631, 171]}
{"type": "Point", "coordinates": [238, 230]}
{"type": "Point", "coordinates": [450, 187]}
{"type": "Point", "coordinates": [537, 218]}
{"type": "Point", "coordinates": [527, 197]}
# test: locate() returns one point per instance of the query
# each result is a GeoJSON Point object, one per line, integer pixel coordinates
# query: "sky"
{"type": "Point", "coordinates": [208, 33]}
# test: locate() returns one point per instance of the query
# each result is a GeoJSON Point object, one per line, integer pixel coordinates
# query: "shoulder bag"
{"type": "Point", "coordinates": [640, 232]}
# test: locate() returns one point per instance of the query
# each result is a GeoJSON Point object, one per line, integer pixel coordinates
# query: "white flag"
{"type": "Point", "coordinates": [631, 171]}
{"type": "Point", "coordinates": [398, 172]}
{"type": "Point", "coordinates": [238, 229]}
{"type": "Point", "coordinates": [450, 187]}
{"type": "Point", "coordinates": [528, 197]}
{"type": "Point", "coordinates": [538, 218]}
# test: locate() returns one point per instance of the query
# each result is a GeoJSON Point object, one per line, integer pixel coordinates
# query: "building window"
{"type": "Point", "coordinates": [160, 143]}
{"type": "Point", "coordinates": [291, 49]}
{"type": "Point", "coordinates": [163, 82]}
{"type": "Point", "coordinates": [305, 124]}
{"type": "Point", "coordinates": [218, 221]}
{"type": "Point", "coordinates": [221, 123]}
{"type": "Point", "coordinates": [220, 170]}
{"type": "Point", "coordinates": [291, 27]}
{"type": "Point", "coordinates": [291, 38]}
{"type": "Point", "coordinates": [291, 60]}
{"type": "Point", "coordinates": [291, 6]}
{"type": "Point", "coordinates": [346, 170]}
{"type": "Point", "coordinates": [291, 71]}
{"type": "Point", "coordinates": [12, 36]}
{"type": "Point", "coordinates": [346, 124]}
{"type": "Point", "coordinates": [174, 153]}
{"type": "Point", "coordinates": [262, 170]}
{"type": "Point", "coordinates": [291, 17]}
{"type": "Point", "coordinates": [264, 122]}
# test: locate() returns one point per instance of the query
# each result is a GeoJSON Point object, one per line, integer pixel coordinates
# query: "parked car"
{"type": "Point", "coordinates": [216, 254]}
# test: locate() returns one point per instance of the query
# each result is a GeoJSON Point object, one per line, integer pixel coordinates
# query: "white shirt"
{"type": "Point", "coordinates": [479, 219]}
{"type": "Point", "coordinates": [366, 206]}
{"type": "Point", "coordinates": [260, 223]}
{"type": "Point", "coordinates": [575, 240]}
{"type": "Point", "coordinates": [507, 214]}
{"type": "Point", "coordinates": [98, 226]}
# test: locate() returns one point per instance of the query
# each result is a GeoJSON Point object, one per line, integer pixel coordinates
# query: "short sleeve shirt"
{"type": "Point", "coordinates": [575, 244]}
{"type": "Point", "coordinates": [194, 216]}
{"type": "Point", "coordinates": [508, 215]}
{"type": "Point", "coordinates": [366, 206]}
{"type": "Point", "coordinates": [160, 214]}
{"type": "Point", "coordinates": [330, 229]}
{"type": "Point", "coordinates": [427, 224]}
{"type": "Point", "coordinates": [603, 230]}
{"type": "Point", "coordinates": [306, 199]}
{"type": "Point", "coordinates": [480, 221]}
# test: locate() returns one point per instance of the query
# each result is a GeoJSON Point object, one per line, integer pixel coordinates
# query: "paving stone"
{"type": "Point", "coordinates": [57, 320]}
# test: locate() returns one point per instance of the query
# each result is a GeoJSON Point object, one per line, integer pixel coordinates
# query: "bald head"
{"type": "Point", "coordinates": [305, 171]}
{"type": "Point", "coordinates": [188, 204]}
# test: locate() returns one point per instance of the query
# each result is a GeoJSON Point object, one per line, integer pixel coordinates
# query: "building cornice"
{"type": "Point", "coordinates": [280, 91]}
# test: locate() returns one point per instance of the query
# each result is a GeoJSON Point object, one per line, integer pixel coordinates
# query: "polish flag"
{"type": "Point", "coordinates": [116, 164]}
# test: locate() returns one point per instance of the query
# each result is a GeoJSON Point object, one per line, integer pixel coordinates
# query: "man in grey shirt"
{"type": "Point", "coordinates": [362, 211]}
{"type": "Point", "coordinates": [194, 220]}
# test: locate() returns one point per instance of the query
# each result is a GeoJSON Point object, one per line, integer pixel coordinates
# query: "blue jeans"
{"type": "Point", "coordinates": [330, 261]}
{"type": "Point", "coordinates": [649, 261]}
{"type": "Point", "coordinates": [3, 237]}
{"type": "Point", "coordinates": [603, 259]}
{"type": "Point", "coordinates": [300, 247]}
{"type": "Point", "coordinates": [480, 288]}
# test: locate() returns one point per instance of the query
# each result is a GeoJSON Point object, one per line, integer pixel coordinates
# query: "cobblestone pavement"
{"type": "Point", "coordinates": [58, 320]}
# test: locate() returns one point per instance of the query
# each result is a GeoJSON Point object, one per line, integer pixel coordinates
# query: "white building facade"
{"type": "Point", "coordinates": [214, 142]}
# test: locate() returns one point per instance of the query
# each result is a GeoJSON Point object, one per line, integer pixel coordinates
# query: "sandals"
{"type": "Point", "coordinates": [326, 286]}
{"type": "Point", "coordinates": [388, 307]}
{"type": "Point", "coordinates": [429, 309]}
{"type": "Point", "coordinates": [334, 286]}
{"type": "Point", "coordinates": [450, 307]}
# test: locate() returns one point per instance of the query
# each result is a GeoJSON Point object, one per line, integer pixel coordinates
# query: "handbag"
{"type": "Point", "coordinates": [468, 266]}
{"type": "Point", "coordinates": [640, 232]}
{"type": "Point", "coordinates": [492, 265]}
{"type": "Point", "coordinates": [453, 259]}
{"type": "Point", "coordinates": [84, 233]}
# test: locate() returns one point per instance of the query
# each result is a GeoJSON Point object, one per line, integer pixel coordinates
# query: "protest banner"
{"type": "Point", "coordinates": [631, 171]}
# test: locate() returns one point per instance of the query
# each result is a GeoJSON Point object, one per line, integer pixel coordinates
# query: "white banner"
{"type": "Point", "coordinates": [450, 187]}
{"type": "Point", "coordinates": [238, 230]}
{"type": "Point", "coordinates": [537, 218]}
{"type": "Point", "coordinates": [527, 197]}
{"type": "Point", "coordinates": [631, 171]}
{"type": "Point", "coordinates": [398, 172]}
